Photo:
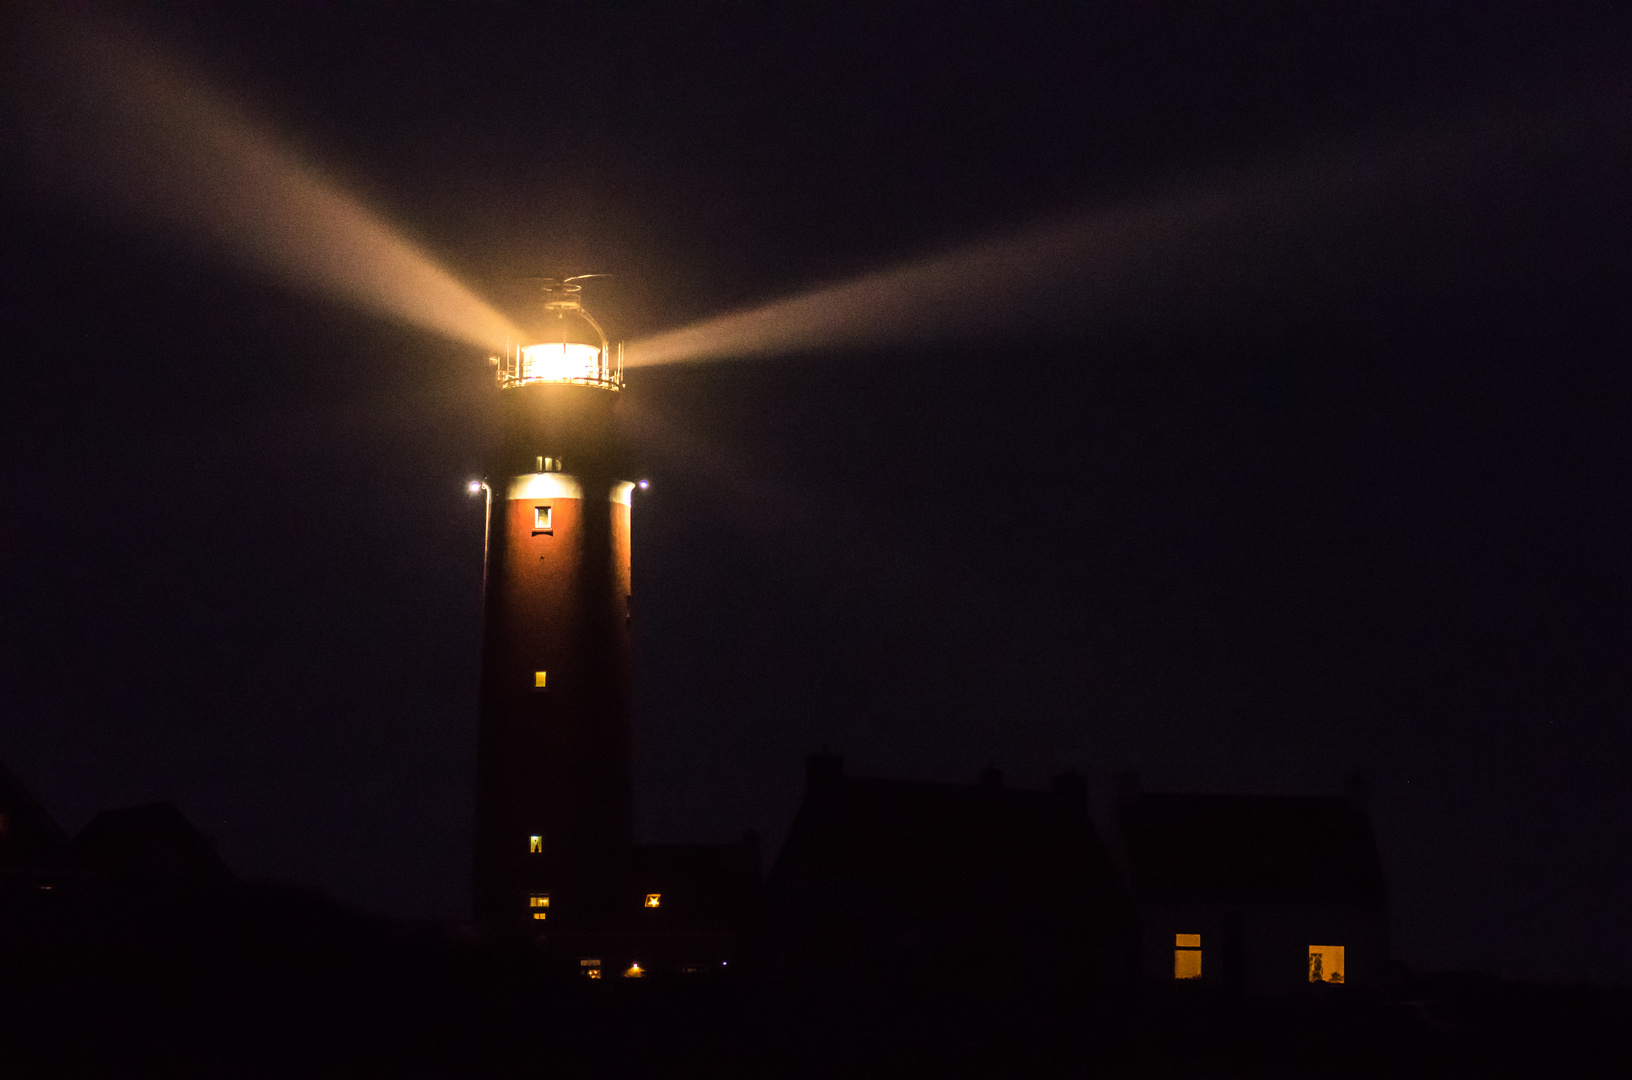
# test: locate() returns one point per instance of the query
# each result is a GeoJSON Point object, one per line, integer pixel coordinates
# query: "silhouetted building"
{"type": "Point", "coordinates": [153, 846]}
{"type": "Point", "coordinates": [655, 910]}
{"type": "Point", "coordinates": [1255, 893]}
{"type": "Point", "coordinates": [29, 838]}
{"type": "Point", "coordinates": [891, 879]}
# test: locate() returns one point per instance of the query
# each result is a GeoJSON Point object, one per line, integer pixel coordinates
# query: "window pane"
{"type": "Point", "coordinates": [1326, 963]}
{"type": "Point", "coordinates": [1187, 963]}
{"type": "Point", "coordinates": [1187, 941]}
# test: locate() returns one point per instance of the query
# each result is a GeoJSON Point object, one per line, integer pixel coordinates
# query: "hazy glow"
{"type": "Point", "coordinates": [560, 361]}
{"type": "Point", "coordinates": [1284, 234]}
{"type": "Point", "coordinates": [135, 130]}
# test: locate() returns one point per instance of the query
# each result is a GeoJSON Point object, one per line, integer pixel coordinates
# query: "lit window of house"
{"type": "Point", "coordinates": [541, 517]}
{"type": "Point", "coordinates": [653, 899]}
{"type": "Point", "coordinates": [591, 967]}
{"type": "Point", "coordinates": [539, 679]}
{"type": "Point", "coordinates": [539, 902]}
{"type": "Point", "coordinates": [535, 845]}
{"type": "Point", "coordinates": [1187, 956]}
{"type": "Point", "coordinates": [1326, 963]}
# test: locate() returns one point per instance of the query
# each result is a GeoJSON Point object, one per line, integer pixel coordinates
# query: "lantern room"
{"type": "Point", "coordinates": [564, 344]}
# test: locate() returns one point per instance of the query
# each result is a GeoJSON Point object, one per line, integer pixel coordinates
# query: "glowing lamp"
{"type": "Point", "coordinates": [475, 487]}
{"type": "Point", "coordinates": [565, 345]}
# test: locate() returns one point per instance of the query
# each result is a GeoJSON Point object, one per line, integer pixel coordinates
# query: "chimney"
{"type": "Point", "coordinates": [1071, 793]}
{"type": "Point", "coordinates": [991, 777]}
{"type": "Point", "coordinates": [1125, 785]}
{"type": "Point", "coordinates": [823, 771]}
{"type": "Point", "coordinates": [1359, 793]}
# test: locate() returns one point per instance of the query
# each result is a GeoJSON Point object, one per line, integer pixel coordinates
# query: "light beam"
{"type": "Point", "coordinates": [133, 130]}
{"type": "Point", "coordinates": [1297, 232]}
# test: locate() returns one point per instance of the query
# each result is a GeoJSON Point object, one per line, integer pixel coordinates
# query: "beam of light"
{"type": "Point", "coordinates": [1302, 231]}
{"type": "Point", "coordinates": [132, 130]}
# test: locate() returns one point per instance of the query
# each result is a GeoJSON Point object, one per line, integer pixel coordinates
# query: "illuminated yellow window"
{"type": "Point", "coordinates": [590, 962]}
{"type": "Point", "coordinates": [538, 679]}
{"type": "Point", "coordinates": [539, 899]}
{"type": "Point", "coordinates": [593, 973]}
{"type": "Point", "coordinates": [1187, 956]}
{"type": "Point", "coordinates": [1326, 963]}
{"type": "Point", "coordinates": [535, 845]}
{"type": "Point", "coordinates": [541, 517]}
{"type": "Point", "coordinates": [635, 972]}
{"type": "Point", "coordinates": [653, 899]}
{"type": "Point", "coordinates": [541, 914]}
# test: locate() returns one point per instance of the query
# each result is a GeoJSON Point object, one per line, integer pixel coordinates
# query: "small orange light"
{"type": "Point", "coordinates": [653, 899]}
{"type": "Point", "coordinates": [635, 972]}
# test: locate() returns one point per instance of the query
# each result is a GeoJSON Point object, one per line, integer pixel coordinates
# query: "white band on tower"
{"type": "Point", "coordinates": [552, 485]}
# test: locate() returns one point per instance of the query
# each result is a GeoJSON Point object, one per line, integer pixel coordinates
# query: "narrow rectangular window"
{"type": "Point", "coordinates": [538, 679]}
{"type": "Point", "coordinates": [535, 845]}
{"type": "Point", "coordinates": [541, 518]}
{"type": "Point", "coordinates": [1187, 956]}
{"type": "Point", "coordinates": [539, 899]}
{"type": "Point", "coordinates": [1326, 963]}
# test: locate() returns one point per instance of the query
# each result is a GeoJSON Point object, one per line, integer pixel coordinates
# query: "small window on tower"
{"type": "Point", "coordinates": [1326, 963]}
{"type": "Point", "coordinates": [1187, 956]}
{"type": "Point", "coordinates": [539, 679]}
{"type": "Point", "coordinates": [654, 899]}
{"type": "Point", "coordinates": [539, 900]}
{"type": "Point", "coordinates": [541, 518]}
{"type": "Point", "coordinates": [535, 845]}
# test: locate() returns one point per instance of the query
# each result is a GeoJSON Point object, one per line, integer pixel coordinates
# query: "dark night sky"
{"type": "Point", "coordinates": [1377, 525]}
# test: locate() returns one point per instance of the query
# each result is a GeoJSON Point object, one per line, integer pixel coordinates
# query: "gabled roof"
{"type": "Point", "coordinates": [1251, 849]}
{"type": "Point", "coordinates": [937, 844]}
{"type": "Point", "coordinates": [153, 843]}
{"type": "Point", "coordinates": [29, 838]}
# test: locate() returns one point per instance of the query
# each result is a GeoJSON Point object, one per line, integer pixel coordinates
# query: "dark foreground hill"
{"type": "Point", "coordinates": [257, 980]}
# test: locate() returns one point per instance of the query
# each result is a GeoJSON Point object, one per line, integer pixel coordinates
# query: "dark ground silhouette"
{"type": "Point", "coordinates": [254, 979]}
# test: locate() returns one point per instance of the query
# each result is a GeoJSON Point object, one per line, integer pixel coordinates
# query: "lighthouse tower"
{"type": "Point", "coordinates": [554, 760]}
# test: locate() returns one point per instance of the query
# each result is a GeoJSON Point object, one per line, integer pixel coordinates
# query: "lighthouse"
{"type": "Point", "coordinates": [554, 758]}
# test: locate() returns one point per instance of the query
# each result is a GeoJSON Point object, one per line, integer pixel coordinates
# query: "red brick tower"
{"type": "Point", "coordinates": [554, 756]}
